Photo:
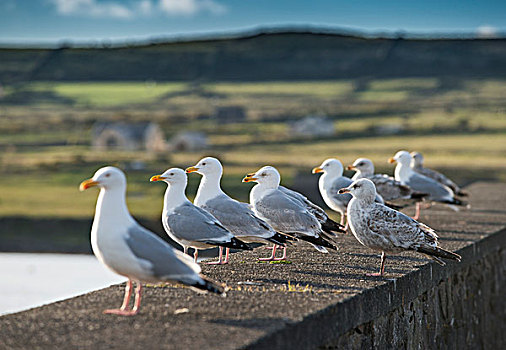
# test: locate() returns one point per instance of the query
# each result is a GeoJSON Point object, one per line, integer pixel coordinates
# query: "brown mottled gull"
{"type": "Point", "coordinates": [387, 230]}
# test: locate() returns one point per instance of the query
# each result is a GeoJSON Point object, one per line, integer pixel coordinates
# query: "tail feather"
{"type": "Point", "coordinates": [394, 206]}
{"type": "Point", "coordinates": [279, 239]}
{"type": "Point", "coordinates": [462, 193]}
{"type": "Point", "coordinates": [317, 241]}
{"type": "Point", "coordinates": [330, 226]}
{"type": "Point", "coordinates": [234, 243]}
{"type": "Point", "coordinates": [455, 201]}
{"type": "Point", "coordinates": [209, 285]}
{"type": "Point", "coordinates": [436, 252]}
{"type": "Point", "coordinates": [419, 195]}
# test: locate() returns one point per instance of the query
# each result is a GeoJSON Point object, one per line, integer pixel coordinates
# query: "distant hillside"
{"type": "Point", "coordinates": [264, 56]}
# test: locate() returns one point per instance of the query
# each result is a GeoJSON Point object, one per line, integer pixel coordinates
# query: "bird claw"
{"type": "Point", "coordinates": [120, 312]}
{"type": "Point", "coordinates": [217, 263]}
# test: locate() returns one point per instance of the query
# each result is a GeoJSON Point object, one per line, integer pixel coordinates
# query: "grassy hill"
{"type": "Point", "coordinates": [287, 56]}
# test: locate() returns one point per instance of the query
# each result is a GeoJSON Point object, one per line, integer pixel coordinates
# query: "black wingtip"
{"type": "Point", "coordinates": [318, 241]}
{"type": "Point", "coordinates": [279, 239]}
{"type": "Point", "coordinates": [210, 286]}
{"type": "Point", "coordinates": [439, 252]}
{"type": "Point", "coordinates": [394, 206]}
{"type": "Point", "coordinates": [330, 226]}
{"type": "Point", "coordinates": [456, 201]}
{"type": "Point", "coordinates": [236, 244]}
{"type": "Point", "coordinates": [462, 193]}
{"type": "Point", "coordinates": [419, 195]}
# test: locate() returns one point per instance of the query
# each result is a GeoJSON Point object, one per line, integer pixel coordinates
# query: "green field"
{"type": "Point", "coordinates": [45, 133]}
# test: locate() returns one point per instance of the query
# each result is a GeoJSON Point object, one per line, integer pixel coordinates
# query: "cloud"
{"type": "Point", "coordinates": [190, 7]}
{"type": "Point", "coordinates": [487, 32]}
{"type": "Point", "coordinates": [136, 8]}
{"type": "Point", "coordinates": [92, 8]}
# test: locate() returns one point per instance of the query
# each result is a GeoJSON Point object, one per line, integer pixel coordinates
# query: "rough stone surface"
{"type": "Point", "coordinates": [315, 301]}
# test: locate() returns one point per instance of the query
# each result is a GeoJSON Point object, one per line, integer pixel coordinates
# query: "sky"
{"type": "Point", "coordinates": [95, 21]}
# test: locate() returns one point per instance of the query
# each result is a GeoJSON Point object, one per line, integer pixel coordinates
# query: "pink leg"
{"type": "Point", "coordinates": [382, 269]}
{"type": "Point", "coordinates": [124, 310]}
{"type": "Point", "coordinates": [342, 219]}
{"type": "Point", "coordinates": [220, 259]}
{"type": "Point", "coordinates": [227, 251]}
{"type": "Point", "coordinates": [273, 256]}
{"type": "Point", "coordinates": [185, 249]}
{"type": "Point", "coordinates": [196, 255]}
{"type": "Point", "coordinates": [417, 212]}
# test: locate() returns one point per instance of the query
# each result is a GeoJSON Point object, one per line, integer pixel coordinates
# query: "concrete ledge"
{"type": "Point", "coordinates": [316, 301]}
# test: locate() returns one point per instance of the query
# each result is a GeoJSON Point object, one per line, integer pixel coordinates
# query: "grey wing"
{"type": "Point", "coordinates": [435, 175]}
{"type": "Point", "coordinates": [166, 262]}
{"type": "Point", "coordinates": [237, 217]}
{"type": "Point", "coordinates": [287, 215]}
{"type": "Point", "coordinates": [399, 229]}
{"type": "Point", "coordinates": [192, 223]}
{"type": "Point", "coordinates": [313, 208]}
{"type": "Point", "coordinates": [339, 183]}
{"type": "Point", "coordinates": [389, 188]}
{"type": "Point", "coordinates": [424, 184]}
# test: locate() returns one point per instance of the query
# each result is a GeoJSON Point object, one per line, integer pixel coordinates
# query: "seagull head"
{"type": "Point", "coordinates": [362, 189]}
{"type": "Point", "coordinates": [172, 176]}
{"type": "Point", "coordinates": [207, 166]}
{"type": "Point", "coordinates": [401, 157]}
{"type": "Point", "coordinates": [108, 177]}
{"type": "Point", "coordinates": [417, 161]}
{"type": "Point", "coordinates": [364, 165]}
{"type": "Point", "coordinates": [267, 175]}
{"type": "Point", "coordinates": [330, 166]}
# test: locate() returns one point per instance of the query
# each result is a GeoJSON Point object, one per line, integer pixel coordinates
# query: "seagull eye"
{"type": "Point", "coordinates": [107, 175]}
{"type": "Point", "coordinates": [203, 163]}
{"type": "Point", "coordinates": [171, 174]}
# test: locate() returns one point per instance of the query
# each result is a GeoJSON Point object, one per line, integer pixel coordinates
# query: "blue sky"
{"type": "Point", "coordinates": [53, 21]}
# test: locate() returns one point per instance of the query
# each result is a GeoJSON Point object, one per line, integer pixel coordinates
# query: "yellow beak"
{"type": "Point", "coordinates": [350, 167]}
{"type": "Point", "coordinates": [249, 178]}
{"type": "Point", "coordinates": [317, 170]}
{"type": "Point", "coordinates": [87, 184]}
{"type": "Point", "coordinates": [156, 178]}
{"type": "Point", "coordinates": [191, 169]}
{"type": "Point", "coordinates": [391, 160]}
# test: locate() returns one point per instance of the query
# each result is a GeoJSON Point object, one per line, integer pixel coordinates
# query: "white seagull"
{"type": "Point", "coordinates": [407, 176]}
{"type": "Point", "coordinates": [331, 182]}
{"type": "Point", "coordinates": [282, 212]}
{"type": "Point", "coordinates": [417, 165]}
{"type": "Point", "coordinates": [237, 217]}
{"type": "Point", "coordinates": [187, 224]}
{"type": "Point", "coordinates": [130, 250]}
{"type": "Point", "coordinates": [387, 230]}
{"type": "Point", "coordinates": [388, 187]}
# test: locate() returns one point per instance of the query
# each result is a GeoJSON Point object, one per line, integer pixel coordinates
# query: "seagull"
{"type": "Point", "coordinates": [417, 165]}
{"type": "Point", "coordinates": [187, 224]}
{"type": "Point", "coordinates": [329, 184]}
{"type": "Point", "coordinates": [386, 186]}
{"type": "Point", "coordinates": [237, 217]}
{"type": "Point", "coordinates": [387, 230]}
{"type": "Point", "coordinates": [282, 212]}
{"type": "Point", "coordinates": [418, 182]}
{"type": "Point", "coordinates": [130, 250]}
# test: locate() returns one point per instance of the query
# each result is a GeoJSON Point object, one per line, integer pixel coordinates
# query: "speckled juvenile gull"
{"type": "Point", "coordinates": [417, 165]}
{"type": "Point", "coordinates": [282, 212]}
{"type": "Point", "coordinates": [387, 230]}
{"type": "Point", "coordinates": [331, 182]}
{"type": "Point", "coordinates": [130, 250]}
{"type": "Point", "coordinates": [237, 217]}
{"type": "Point", "coordinates": [407, 176]}
{"type": "Point", "coordinates": [389, 188]}
{"type": "Point", "coordinates": [188, 224]}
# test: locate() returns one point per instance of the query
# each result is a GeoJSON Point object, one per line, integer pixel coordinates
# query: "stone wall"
{"type": "Point", "coordinates": [464, 311]}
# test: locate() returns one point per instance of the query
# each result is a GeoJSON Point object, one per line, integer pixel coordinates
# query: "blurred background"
{"type": "Point", "coordinates": [148, 85]}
